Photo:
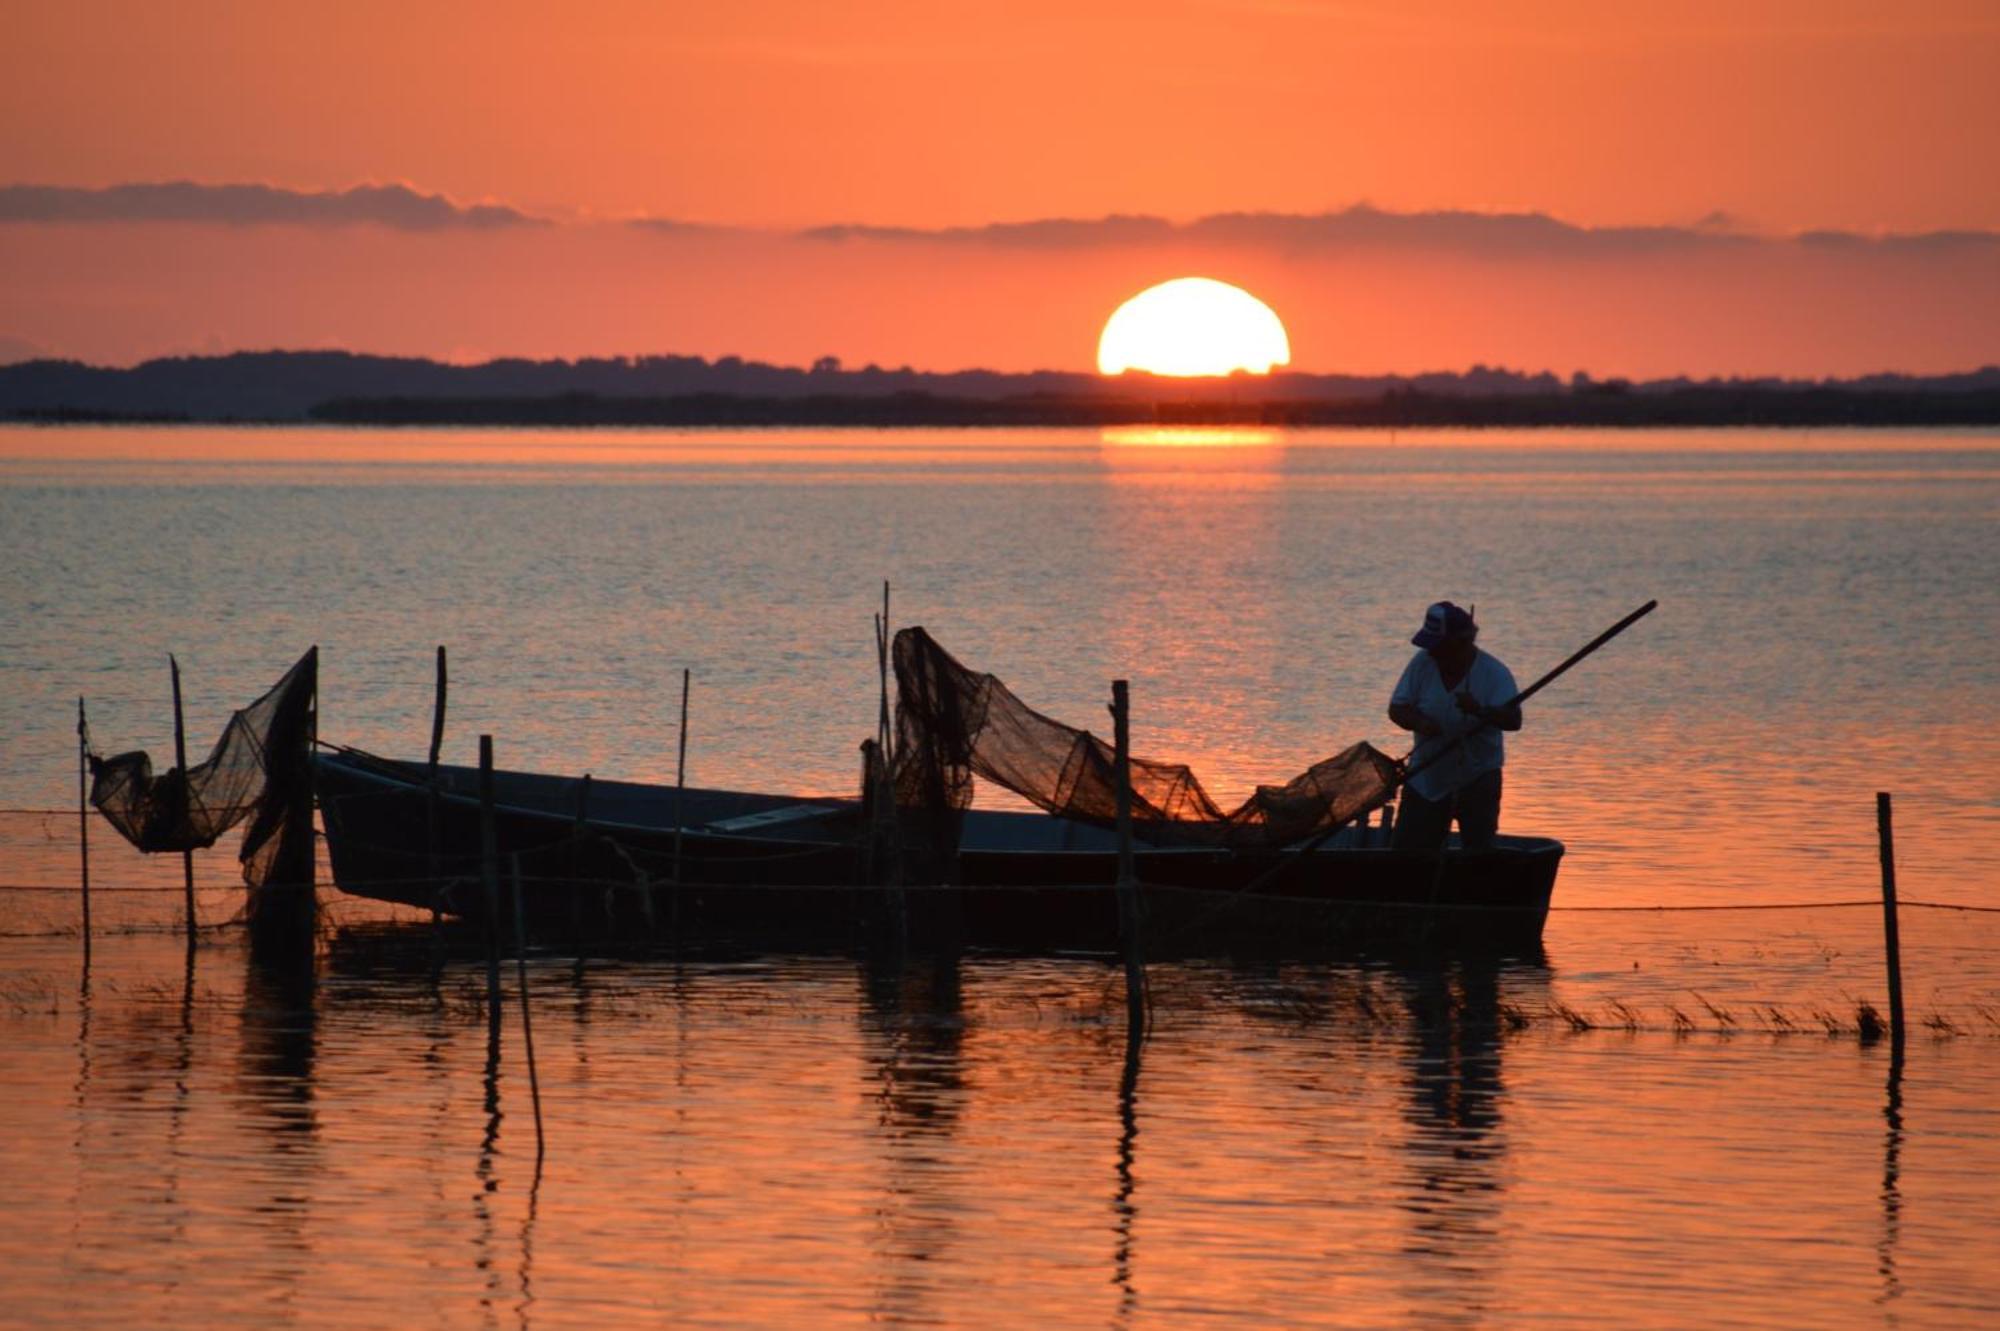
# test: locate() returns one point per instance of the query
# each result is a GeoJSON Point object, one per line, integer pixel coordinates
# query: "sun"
{"type": "Point", "coordinates": [1193, 326]}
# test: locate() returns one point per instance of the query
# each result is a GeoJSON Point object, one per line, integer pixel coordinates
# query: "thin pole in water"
{"type": "Point", "coordinates": [83, 817]}
{"type": "Point", "coordinates": [680, 783]}
{"type": "Point", "coordinates": [435, 862]}
{"type": "Point", "coordinates": [489, 871]}
{"type": "Point", "coordinates": [437, 709]}
{"type": "Point", "coordinates": [1886, 834]}
{"type": "Point", "coordinates": [181, 761]}
{"type": "Point", "coordinates": [884, 835]}
{"type": "Point", "coordinates": [1128, 878]}
{"type": "Point", "coordinates": [527, 1023]}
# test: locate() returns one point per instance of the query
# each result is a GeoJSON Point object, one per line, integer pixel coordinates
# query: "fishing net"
{"type": "Point", "coordinates": [257, 772]}
{"type": "Point", "coordinates": [953, 723]}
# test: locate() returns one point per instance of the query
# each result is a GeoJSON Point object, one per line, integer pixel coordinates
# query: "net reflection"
{"type": "Point", "coordinates": [913, 1042]}
{"type": "Point", "coordinates": [275, 1095]}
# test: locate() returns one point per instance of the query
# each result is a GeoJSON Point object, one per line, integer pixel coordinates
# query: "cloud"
{"type": "Point", "coordinates": [672, 226]}
{"type": "Point", "coordinates": [1047, 233]}
{"type": "Point", "coordinates": [1362, 227]}
{"type": "Point", "coordinates": [1496, 235]}
{"type": "Point", "coordinates": [16, 349]}
{"type": "Point", "coordinates": [1915, 243]}
{"type": "Point", "coordinates": [395, 206]}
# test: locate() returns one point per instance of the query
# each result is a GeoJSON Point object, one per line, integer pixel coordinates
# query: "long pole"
{"type": "Point", "coordinates": [1886, 833]}
{"type": "Point", "coordinates": [1128, 878]}
{"type": "Point", "coordinates": [83, 817]}
{"type": "Point", "coordinates": [884, 837]}
{"type": "Point", "coordinates": [434, 860]}
{"type": "Point", "coordinates": [1540, 684]}
{"type": "Point", "coordinates": [437, 709]}
{"type": "Point", "coordinates": [680, 779]}
{"type": "Point", "coordinates": [1403, 778]}
{"type": "Point", "coordinates": [181, 761]}
{"type": "Point", "coordinates": [489, 870]}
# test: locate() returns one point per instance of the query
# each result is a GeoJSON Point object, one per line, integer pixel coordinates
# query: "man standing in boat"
{"type": "Point", "coordinates": [1454, 697]}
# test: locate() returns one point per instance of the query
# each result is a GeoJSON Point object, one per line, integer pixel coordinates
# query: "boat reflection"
{"type": "Point", "coordinates": [938, 1041]}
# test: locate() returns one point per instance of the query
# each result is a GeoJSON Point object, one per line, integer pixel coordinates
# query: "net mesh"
{"type": "Point", "coordinates": [257, 773]}
{"type": "Point", "coordinates": [953, 723]}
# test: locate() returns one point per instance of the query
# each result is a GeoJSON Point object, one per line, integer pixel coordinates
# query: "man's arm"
{"type": "Point", "coordinates": [1500, 718]}
{"type": "Point", "coordinates": [1410, 717]}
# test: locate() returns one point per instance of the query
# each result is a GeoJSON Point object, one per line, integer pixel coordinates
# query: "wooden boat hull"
{"type": "Point", "coordinates": [618, 857]}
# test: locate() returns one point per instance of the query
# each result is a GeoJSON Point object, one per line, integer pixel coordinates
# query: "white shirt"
{"type": "Point", "coordinates": [1490, 684]}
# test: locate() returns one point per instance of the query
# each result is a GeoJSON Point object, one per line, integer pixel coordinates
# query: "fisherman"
{"type": "Point", "coordinates": [1455, 698]}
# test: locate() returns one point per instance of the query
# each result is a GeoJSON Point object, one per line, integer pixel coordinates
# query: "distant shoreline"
{"type": "Point", "coordinates": [341, 388]}
{"type": "Point", "coordinates": [1693, 409]}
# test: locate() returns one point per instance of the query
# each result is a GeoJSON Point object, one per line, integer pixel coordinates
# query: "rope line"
{"type": "Point", "coordinates": [598, 883]}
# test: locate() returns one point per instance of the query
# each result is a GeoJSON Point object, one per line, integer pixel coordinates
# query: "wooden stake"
{"type": "Point", "coordinates": [579, 832]}
{"type": "Point", "coordinates": [489, 869]}
{"type": "Point", "coordinates": [435, 861]}
{"type": "Point", "coordinates": [181, 761]}
{"type": "Point", "coordinates": [83, 817]}
{"type": "Point", "coordinates": [680, 778]}
{"type": "Point", "coordinates": [437, 709]}
{"type": "Point", "coordinates": [1128, 879]}
{"type": "Point", "coordinates": [1885, 832]}
{"type": "Point", "coordinates": [885, 835]}
{"type": "Point", "coordinates": [527, 1022]}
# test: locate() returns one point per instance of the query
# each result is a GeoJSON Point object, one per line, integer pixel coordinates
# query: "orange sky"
{"type": "Point", "coordinates": [772, 115]}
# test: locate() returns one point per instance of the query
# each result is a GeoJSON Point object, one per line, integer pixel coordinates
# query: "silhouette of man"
{"type": "Point", "coordinates": [1452, 689]}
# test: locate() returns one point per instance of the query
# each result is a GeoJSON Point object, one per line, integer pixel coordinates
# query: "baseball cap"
{"type": "Point", "coordinates": [1443, 622]}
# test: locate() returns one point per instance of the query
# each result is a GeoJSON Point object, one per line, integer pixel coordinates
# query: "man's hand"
{"type": "Point", "coordinates": [1500, 718]}
{"type": "Point", "coordinates": [1412, 719]}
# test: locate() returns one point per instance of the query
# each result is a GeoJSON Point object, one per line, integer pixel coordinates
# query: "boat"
{"type": "Point", "coordinates": [631, 860]}
{"type": "Point", "coordinates": [1112, 849]}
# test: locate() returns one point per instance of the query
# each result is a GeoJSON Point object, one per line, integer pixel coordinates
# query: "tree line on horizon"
{"type": "Point", "coordinates": [345, 387]}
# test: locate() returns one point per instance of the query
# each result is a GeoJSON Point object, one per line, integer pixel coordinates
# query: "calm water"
{"type": "Point", "coordinates": [769, 1140]}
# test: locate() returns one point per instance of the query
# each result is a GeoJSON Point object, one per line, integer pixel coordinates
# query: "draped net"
{"type": "Point", "coordinates": [256, 771]}
{"type": "Point", "coordinates": [953, 723]}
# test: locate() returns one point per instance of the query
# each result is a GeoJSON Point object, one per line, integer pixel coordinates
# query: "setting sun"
{"type": "Point", "coordinates": [1193, 326]}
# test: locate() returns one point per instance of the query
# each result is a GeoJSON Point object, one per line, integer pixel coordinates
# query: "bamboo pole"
{"type": "Point", "coordinates": [579, 832]}
{"type": "Point", "coordinates": [680, 777]}
{"type": "Point", "coordinates": [1128, 879]}
{"type": "Point", "coordinates": [435, 859]}
{"type": "Point", "coordinates": [527, 1021]}
{"type": "Point", "coordinates": [489, 870]}
{"type": "Point", "coordinates": [181, 761]}
{"type": "Point", "coordinates": [885, 835]}
{"type": "Point", "coordinates": [437, 709]}
{"type": "Point", "coordinates": [83, 817]}
{"type": "Point", "coordinates": [1886, 834]}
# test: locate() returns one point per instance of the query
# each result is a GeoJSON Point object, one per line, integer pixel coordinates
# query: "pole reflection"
{"type": "Point", "coordinates": [1892, 1188]}
{"type": "Point", "coordinates": [1125, 1211]}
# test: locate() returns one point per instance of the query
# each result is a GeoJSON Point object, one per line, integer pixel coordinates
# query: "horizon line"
{"type": "Point", "coordinates": [834, 365]}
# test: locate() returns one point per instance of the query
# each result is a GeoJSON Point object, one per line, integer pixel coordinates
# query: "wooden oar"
{"type": "Point", "coordinates": [1513, 702]}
